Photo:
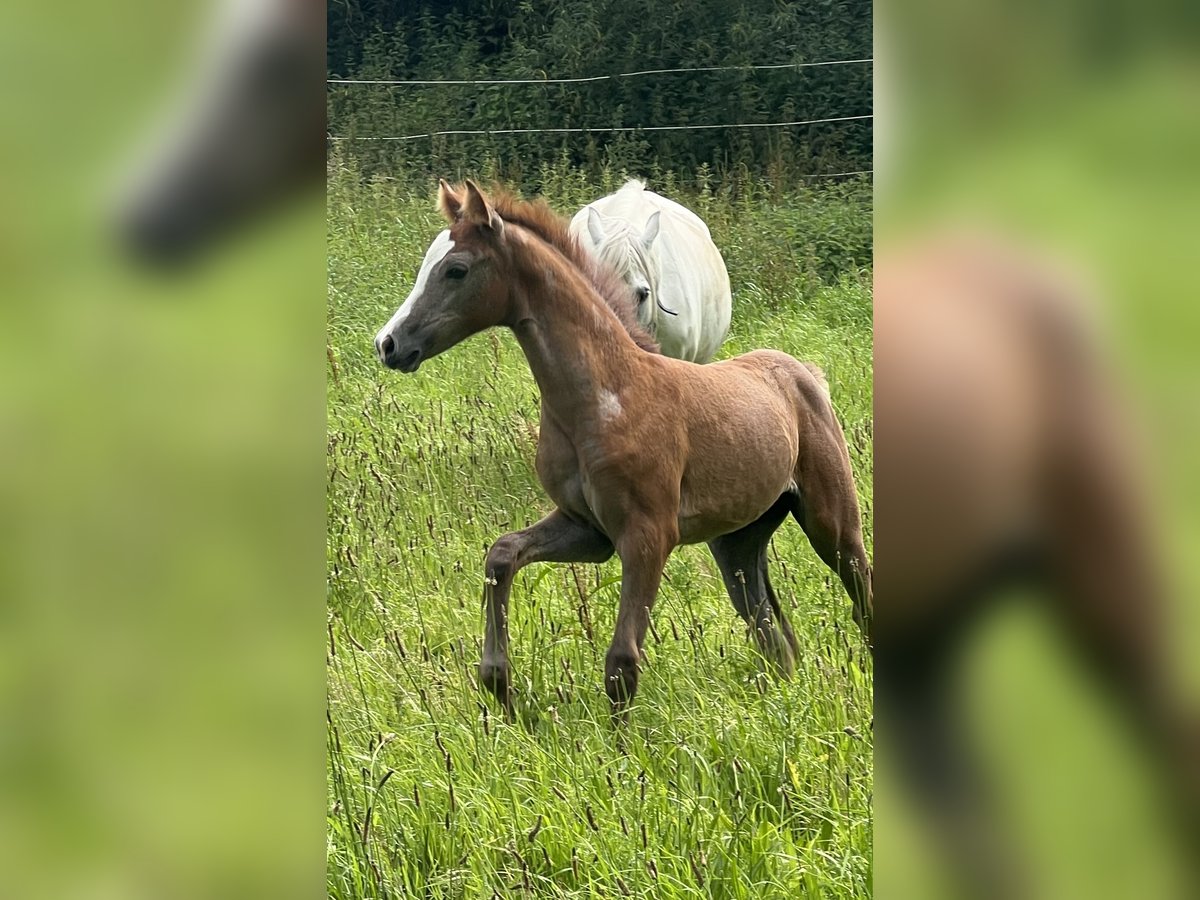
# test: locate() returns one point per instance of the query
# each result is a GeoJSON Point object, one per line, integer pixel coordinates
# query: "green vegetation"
{"type": "Point", "coordinates": [725, 784]}
{"type": "Point", "coordinates": [533, 39]}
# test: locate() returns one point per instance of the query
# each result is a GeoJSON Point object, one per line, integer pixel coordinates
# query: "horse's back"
{"type": "Point", "coordinates": [768, 378]}
{"type": "Point", "coordinates": [785, 369]}
{"type": "Point", "coordinates": [635, 193]}
{"type": "Point", "coordinates": [634, 204]}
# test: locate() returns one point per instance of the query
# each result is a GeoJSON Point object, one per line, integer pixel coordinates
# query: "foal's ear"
{"type": "Point", "coordinates": [478, 211]}
{"type": "Point", "coordinates": [449, 202]}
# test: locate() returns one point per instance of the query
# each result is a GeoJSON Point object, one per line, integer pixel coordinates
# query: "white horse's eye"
{"type": "Point", "coordinates": [642, 294]}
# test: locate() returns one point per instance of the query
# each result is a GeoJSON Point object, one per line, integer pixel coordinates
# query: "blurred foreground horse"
{"type": "Point", "coordinates": [1004, 458]}
{"type": "Point", "coordinates": [245, 134]}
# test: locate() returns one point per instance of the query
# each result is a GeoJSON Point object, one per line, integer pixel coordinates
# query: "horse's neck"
{"type": "Point", "coordinates": [577, 348]}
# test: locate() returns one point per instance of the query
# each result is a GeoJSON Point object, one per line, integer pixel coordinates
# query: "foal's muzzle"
{"type": "Point", "coordinates": [406, 359]}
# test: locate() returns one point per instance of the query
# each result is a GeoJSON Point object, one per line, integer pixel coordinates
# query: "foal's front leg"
{"type": "Point", "coordinates": [556, 538]}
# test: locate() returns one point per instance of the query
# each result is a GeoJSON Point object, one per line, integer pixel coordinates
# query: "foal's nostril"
{"type": "Point", "coordinates": [386, 347]}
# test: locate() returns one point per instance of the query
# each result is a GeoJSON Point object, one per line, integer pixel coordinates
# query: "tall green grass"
{"type": "Point", "coordinates": [723, 785]}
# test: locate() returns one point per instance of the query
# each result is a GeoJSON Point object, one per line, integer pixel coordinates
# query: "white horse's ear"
{"type": "Point", "coordinates": [651, 231]}
{"type": "Point", "coordinates": [449, 202]}
{"type": "Point", "coordinates": [478, 211]}
{"type": "Point", "coordinates": [595, 226]}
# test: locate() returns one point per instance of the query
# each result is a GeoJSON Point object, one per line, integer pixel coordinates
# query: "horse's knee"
{"type": "Point", "coordinates": [620, 676]}
{"type": "Point", "coordinates": [789, 634]}
{"type": "Point", "coordinates": [501, 562]}
{"type": "Point", "coordinates": [862, 618]}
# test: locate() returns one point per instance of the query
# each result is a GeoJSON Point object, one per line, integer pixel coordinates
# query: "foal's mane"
{"type": "Point", "coordinates": [538, 217]}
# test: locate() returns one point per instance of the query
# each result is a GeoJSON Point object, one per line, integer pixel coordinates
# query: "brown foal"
{"type": "Point", "coordinates": [639, 452]}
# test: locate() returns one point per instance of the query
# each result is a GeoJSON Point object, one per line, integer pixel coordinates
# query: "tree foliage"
{"type": "Point", "coordinates": [498, 39]}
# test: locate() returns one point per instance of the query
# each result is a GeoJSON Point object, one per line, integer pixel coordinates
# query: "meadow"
{"type": "Point", "coordinates": [725, 783]}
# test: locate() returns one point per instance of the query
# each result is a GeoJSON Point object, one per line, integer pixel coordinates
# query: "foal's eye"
{"type": "Point", "coordinates": [456, 272]}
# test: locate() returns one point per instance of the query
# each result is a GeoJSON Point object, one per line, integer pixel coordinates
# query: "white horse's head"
{"type": "Point", "coordinates": [625, 248]}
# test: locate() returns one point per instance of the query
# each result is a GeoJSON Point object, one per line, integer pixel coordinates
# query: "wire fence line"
{"type": "Point", "coordinates": [597, 128]}
{"type": "Point", "coordinates": [611, 129]}
{"type": "Point", "coordinates": [402, 82]}
{"type": "Point", "coordinates": [838, 174]}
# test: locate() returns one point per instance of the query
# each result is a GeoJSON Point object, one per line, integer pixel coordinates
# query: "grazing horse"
{"type": "Point", "coordinates": [639, 452]}
{"type": "Point", "coordinates": [666, 257]}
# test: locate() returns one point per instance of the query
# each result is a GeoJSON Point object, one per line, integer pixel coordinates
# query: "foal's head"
{"type": "Point", "coordinates": [458, 291]}
{"type": "Point", "coordinates": [464, 284]}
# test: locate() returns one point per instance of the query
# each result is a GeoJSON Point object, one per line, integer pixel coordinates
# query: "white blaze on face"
{"type": "Point", "coordinates": [437, 251]}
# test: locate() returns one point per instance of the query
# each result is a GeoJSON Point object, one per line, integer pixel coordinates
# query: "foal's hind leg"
{"type": "Point", "coordinates": [742, 559]}
{"type": "Point", "coordinates": [827, 510]}
{"type": "Point", "coordinates": [1111, 599]}
{"type": "Point", "coordinates": [921, 721]}
{"type": "Point", "coordinates": [556, 538]}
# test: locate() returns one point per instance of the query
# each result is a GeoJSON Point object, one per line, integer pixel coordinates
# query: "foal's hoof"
{"type": "Point", "coordinates": [620, 683]}
{"type": "Point", "coordinates": [785, 663]}
{"type": "Point", "coordinates": [778, 652]}
{"type": "Point", "coordinates": [494, 677]}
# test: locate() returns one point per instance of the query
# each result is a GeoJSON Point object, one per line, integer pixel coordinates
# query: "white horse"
{"type": "Point", "coordinates": [664, 252]}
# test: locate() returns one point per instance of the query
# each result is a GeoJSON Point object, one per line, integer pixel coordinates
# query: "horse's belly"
{"type": "Point", "coordinates": [742, 460]}
{"type": "Point", "coordinates": [704, 517]}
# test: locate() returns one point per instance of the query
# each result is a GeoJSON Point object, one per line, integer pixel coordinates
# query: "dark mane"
{"type": "Point", "coordinates": [538, 217]}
